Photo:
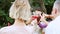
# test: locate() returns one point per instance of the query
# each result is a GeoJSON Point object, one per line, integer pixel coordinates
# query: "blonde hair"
{"type": "Point", "coordinates": [20, 9]}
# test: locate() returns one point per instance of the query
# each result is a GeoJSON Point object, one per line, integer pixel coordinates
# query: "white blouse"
{"type": "Point", "coordinates": [14, 30]}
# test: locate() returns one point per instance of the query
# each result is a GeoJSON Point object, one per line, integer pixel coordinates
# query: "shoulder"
{"type": "Point", "coordinates": [4, 30]}
{"type": "Point", "coordinates": [53, 26]}
{"type": "Point", "coordinates": [55, 22]}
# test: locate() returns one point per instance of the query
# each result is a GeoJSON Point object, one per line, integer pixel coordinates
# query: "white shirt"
{"type": "Point", "coordinates": [14, 30]}
{"type": "Point", "coordinates": [53, 27]}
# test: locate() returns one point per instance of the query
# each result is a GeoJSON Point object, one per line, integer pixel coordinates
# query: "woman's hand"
{"type": "Point", "coordinates": [43, 19]}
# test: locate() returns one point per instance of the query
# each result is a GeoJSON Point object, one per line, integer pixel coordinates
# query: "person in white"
{"type": "Point", "coordinates": [54, 26]}
{"type": "Point", "coordinates": [20, 11]}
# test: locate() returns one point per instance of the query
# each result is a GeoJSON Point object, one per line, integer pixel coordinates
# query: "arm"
{"type": "Point", "coordinates": [43, 18]}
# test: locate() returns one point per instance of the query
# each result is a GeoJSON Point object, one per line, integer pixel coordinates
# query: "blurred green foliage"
{"type": "Point", "coordinates": [4, 12]}
{"type": "Point", "coordinates": [48, 4]}
{"type": "Point", "coordinates": [5, 5]}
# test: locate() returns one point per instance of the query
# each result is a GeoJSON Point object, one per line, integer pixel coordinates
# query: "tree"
{"type": "Point", "coordinates": [4, 12]}
{"type": "Point", "coordinates": [45, 5]}
{"type": "Point", "coordinates": [42, 5]}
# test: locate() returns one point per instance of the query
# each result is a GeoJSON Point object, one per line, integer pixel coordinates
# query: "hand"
{"type": "Point", "coordinates": [42, 17]}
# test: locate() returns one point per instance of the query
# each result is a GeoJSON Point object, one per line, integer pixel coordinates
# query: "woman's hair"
{"type": "Point", "coordinates": [20, 9]}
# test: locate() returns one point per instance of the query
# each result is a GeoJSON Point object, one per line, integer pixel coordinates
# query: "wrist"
{"type": "Point", "coordinates": [45, 22]}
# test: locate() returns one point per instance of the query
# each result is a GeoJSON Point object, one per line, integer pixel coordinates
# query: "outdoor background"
{"type": "Point", "coordinates": [45, 5]}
